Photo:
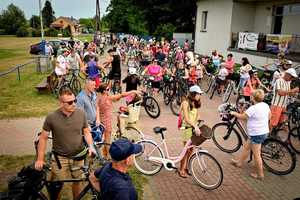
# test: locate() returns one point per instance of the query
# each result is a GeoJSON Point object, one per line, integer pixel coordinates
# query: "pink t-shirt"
{"type": "Point", "coordinates": [154, 70]}
{"type": "Point", "coordinates": [229, 66]}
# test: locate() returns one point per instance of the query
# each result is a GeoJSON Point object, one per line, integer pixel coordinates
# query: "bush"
{"type": "Point", "coordinates": [36, 32]}
{"type": "Point", "coordinates": [22, 32]}
{"type": "Point", "coordinates": [51, 32]}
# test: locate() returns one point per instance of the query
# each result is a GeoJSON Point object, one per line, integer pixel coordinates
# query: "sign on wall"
{"type": "Point", "coordinates": [276, 43]}
{"type": "Point", "coordinates": [248, 41]}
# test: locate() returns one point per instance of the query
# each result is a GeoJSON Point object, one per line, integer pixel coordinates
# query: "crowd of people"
{"type": "Point", "coordinates": [93, 105]}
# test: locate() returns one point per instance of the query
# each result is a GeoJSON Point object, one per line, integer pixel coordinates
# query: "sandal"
{"type": "Point", "coordinates": [188, 172]}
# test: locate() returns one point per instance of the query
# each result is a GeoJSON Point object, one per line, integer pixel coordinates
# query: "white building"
{"type": "Point", "coordinates": [219, 22]}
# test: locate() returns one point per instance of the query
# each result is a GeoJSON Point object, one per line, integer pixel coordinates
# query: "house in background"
{"type": "Point", "coordinates": [63, 22]}
{"type": "Point", "coordinates": [256, 29]}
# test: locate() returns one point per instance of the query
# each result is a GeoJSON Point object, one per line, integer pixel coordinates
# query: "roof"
{"type": "Point", "coordinates": [70, 20]}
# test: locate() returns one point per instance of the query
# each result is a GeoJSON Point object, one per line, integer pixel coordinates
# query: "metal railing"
{"type": "Point", "coordinates": [40, 67]}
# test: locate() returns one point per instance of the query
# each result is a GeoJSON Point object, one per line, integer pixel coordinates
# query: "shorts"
{"type": "Point", "coordinates": [155, 84]}
{"type": "Point", "coordinates": [258, 139]}
{"type": "Point", "coordinates": [114, 76]}
{"type": "Point", "coordinates": [220, 81]}
{"type": "Point", "coordinates": [187, 134]}
{"type": "Point", "coordinates": [65, 172]}
{"type": "Point", "coordinates": [277, 115]}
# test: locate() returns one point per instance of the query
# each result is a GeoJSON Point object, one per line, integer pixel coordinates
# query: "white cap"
{"type": "Point", "coordinates": [196, 88]}
{"type": "Point", "coordinates": [289, 62]}
{"type": "Point", "coordinates": [292, 72]}
{"type": "Point", "coordinates": [132, 70]}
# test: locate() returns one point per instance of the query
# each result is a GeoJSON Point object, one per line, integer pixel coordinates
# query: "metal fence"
{"type": "Point", "coordinates": [43, 64]}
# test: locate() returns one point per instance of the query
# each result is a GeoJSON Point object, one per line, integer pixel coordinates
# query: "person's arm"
{"type": "Point", "coordinates": [117, 97]}
{"type": "Point", "coordinates": [145, 71]}
{"type": "Point", "coordinates": [39, 163]}
{"type": "Point", "coordinates": [242, 116]}
{"type": "Point", "coordinates": [95, 182]}
{"type": "Point", "coordinates": [97, 113]}
{"type": "Point", "coordinates": [83, 68]}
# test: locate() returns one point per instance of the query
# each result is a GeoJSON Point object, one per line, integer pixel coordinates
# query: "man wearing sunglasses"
{"type": "Point", "coordinates": [67, 124]}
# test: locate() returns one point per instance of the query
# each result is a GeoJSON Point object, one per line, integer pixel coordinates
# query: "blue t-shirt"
{"type": "Point", "coordinates": [92, 69]}
{"type": "Point", "coordinates": [115, 185]}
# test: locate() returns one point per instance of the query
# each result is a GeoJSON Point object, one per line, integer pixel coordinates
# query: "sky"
{"type": "Point", "coordinates": [67, 8]}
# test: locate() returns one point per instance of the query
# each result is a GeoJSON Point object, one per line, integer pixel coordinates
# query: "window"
{"type": "Point", "coordinates": [204, 21]}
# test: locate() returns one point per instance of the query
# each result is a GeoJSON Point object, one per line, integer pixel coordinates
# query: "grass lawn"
{"type": "Point", "coordinates": [10, 165]}
{"type": "Point", "coordinates": [20, 98]}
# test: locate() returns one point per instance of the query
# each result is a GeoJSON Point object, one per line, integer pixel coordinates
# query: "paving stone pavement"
{"type": "Point", "coordinates": [16, 137]}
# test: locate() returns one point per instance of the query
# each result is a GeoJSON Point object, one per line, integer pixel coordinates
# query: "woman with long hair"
{"type": "Point", "coordinates": [189, 111]}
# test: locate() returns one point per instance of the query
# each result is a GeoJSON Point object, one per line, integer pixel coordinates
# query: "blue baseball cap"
{"type": "Point", "coordinates": [123, 148]}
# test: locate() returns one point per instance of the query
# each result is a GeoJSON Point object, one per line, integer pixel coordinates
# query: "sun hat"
{"type": "Point", "coordinates": [196, 88]}
{"type": "Point", "coordinates": [123, 148]}
{"type": "Point", "coordinates": [292, 72]}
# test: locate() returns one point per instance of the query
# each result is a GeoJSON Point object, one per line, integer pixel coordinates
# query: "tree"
{"type": "Point", "coordinates": [35, 21]}
{"type": "Point", "coordinates": [12, 19]}
{"type": "Point", "coordinates": [48, 14]}
{"type": "Point", "coordinates": [88, 23]}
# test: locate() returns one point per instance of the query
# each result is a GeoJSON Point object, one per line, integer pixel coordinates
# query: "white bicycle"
{"type": "Point", "coordinates": [204, 168]}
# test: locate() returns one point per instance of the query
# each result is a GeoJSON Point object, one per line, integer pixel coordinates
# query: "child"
{"type": "Point", "coordinates": [132, 81]}
{"type": "Point", "coordinates": [221, 79]}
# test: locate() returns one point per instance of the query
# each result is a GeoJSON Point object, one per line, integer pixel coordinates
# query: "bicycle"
{"type": "Point", "coordinates": [179, 90]}
{"type": "Point", "coordinates": [232, 86]}
{"type": "Point", "coordinates": [69, 80]}
{"type": "Point", "coordinates": [152, 158]}
{"type": "Point", "coordinates": [273, 151]}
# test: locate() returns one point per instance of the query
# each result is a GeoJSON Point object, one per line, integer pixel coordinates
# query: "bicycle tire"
{"type": "Point", "coordinates": [294, 139]}
{"type": "Point", "coordinates": [92, 193]}
{"type": "Point", "coordinates": [272, 149]}
{"type": "Point", "coordinates": [53, 82]}
{"type": "Point", "coordinates": [204, 169]}
{"type": "Point", "coordinates": [221, 144]}
{"type": "Point", "coordinates": [227, 93]}
{"type": "Point", "coordinates": [175, 106]}
{"type": "Point", "coordinates": [150, 105]}
{"type": "Point", "coordinates": [213, 89]}
{"type": "Point", "coordinates": [210, 80]}
{"type": "Point", "coordinates": [204, 82]}
{"type": "Point", "coordinates": [138, 160]}
{"type": "Point", "coordinates": [75, 86]}
{"type": "Point", "coordinates": [133, 134]}
{"type": "Point", "coordinates": [166, 92]}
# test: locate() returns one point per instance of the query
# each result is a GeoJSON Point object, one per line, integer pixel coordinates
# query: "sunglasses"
{"type": "Point", "coordinates": [70, 102]}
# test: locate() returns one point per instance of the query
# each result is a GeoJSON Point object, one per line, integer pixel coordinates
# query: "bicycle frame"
{"type": "Point", "coordinates": [170, 161]}
{"type": "Point", "coordinates": [241, 129]}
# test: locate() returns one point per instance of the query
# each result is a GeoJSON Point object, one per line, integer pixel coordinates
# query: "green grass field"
{"type": "Point", "coordinates": [20, 98]}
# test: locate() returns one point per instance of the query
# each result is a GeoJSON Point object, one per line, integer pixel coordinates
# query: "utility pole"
{"type": "Point", "coordinates": [41, 19]}
{"type": "Point", "coordinates": [98, 26]}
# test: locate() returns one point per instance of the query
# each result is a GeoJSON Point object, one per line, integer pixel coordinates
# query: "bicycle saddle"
{"type": "Point", "coordinates": [159, 129]}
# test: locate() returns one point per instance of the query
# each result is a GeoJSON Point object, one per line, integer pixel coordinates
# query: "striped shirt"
{"type": "Point", "coordinates": [278, 100]}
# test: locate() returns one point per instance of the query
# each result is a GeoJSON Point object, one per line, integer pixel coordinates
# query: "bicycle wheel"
{"type": "Point", "coordinates": [210, 80]}
{"type": "Point", "coordinates": [175, 106]}
{"type": "Point", "coordinates": [89, 192]}
{"type": "Point", "coordinates": [166, 94]}
{"type": "Point", "coordinates": [152, 108]}
{"type": "Point", "coordinates": [227, 92]}
{"type": "Point", "coordinates": [204, 83]}
{"type": "Point", "coordinates": [277, 157]}
{"type": "Point", "coordinates": [225, 140]}
{"type": "Point", "coordinates": [294, 139]}
{"type": "Point", "coordinates": [213, 89]}
{"type": "Point", "coordinates": [75, 86]}
{"type": "Point", "coordinates": [206, 170]}
{"type": "Point", "coordinates": [142, 161]}
{"type": "Point", "coordinates": [133, 134]}
{"type": "Point", "coordinates": [53, 82]}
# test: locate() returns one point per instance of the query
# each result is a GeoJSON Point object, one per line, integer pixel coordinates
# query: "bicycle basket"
{"type": "Point", "coordinates": [97, 132]}
{"type": "Point", "coordinates": [134, 112]}
{"type": "Point", "coordinates": [224, 110]}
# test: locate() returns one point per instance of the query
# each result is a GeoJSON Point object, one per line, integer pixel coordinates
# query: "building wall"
{"type": "Point", "coordinates": [254, 59]}
{"type": "Point", "coordinates": [218, 32]}
{"type": "Point", "coordinates": [291, 24]}
{"type": "Point", "coordinates": [263, 18]}
{"type": "Point", "coordinates": [181, 37]}
{"type": "Point", "coordinates": [243, 17]}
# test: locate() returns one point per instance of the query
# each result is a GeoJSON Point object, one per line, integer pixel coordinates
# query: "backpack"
{"type": "Point", "coordinates": [21, 187]}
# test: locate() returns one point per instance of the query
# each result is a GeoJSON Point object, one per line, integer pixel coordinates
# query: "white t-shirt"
{"type": "Point", "coordinates": [258, 119]}
{"type": "Point", "coordinates": [223, 73]}
{"type": "Point", "coordinates": [61, 66]}
{"type": "Point", "coordinates": [244, 71]}
{"type": "Point", "coordinates": [280, 84]}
